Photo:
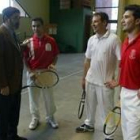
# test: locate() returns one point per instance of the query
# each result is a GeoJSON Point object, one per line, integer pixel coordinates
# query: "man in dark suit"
{"type": "Point", "coordinates": [11, 68]}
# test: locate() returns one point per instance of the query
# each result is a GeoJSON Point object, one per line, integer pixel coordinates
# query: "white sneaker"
{"type": "Point", "coordinates": [34, 123]}
{"type": "Point", "coordinates": [52, 122]}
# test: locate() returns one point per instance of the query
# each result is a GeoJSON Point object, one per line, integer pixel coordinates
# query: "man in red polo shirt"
{"type": "Point", "coordinates": [41, 53]}
{"type": "Point", "coordinates": [130, 74]}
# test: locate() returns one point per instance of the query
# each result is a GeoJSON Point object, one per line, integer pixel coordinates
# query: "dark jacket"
{"type": "Point", "coordinates": [11, 64]}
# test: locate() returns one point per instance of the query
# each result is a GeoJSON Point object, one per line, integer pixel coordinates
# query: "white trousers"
{"type": "Point", "coordinates": [130, 114]}
{"type": "Point", "coordinates": [34, 96]}
{"type": "Point", "coordinates": [102, 96]}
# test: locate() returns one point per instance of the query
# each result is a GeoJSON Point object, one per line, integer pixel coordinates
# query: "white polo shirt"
{"type": "Point", "coordinates": [104, 53]}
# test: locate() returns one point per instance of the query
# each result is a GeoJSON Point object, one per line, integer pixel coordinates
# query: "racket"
{"type": "Point", "coordinates": [81, 105]}
{"type": "Point", "coordinates": [112, 121]}
{"type": "Point", "coordinates": [44, 79]}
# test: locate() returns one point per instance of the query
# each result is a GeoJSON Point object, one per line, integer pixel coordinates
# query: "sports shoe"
{"type": "Point", "coordinates": [51, 121]}
{"type": "Point", "coordinates": [84, 128]}
{"type": "Point", "coordinates": [34, 123]}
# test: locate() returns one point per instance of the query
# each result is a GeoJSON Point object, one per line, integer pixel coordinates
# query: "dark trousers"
{"type": "Point", "coordinates": [9, 115]}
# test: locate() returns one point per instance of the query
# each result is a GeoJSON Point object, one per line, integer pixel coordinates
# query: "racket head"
{"type": "Point", "coordinates": [112, 121]}
{"type": "Point", "coordinates": [81, 105]}
{"type": "Point", "coordinates": [46, 79]}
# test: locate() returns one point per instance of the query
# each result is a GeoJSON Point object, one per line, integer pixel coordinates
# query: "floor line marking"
{"type": "Point", "coordinates": [64, 77]}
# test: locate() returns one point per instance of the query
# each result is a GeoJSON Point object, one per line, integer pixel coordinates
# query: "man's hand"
{"type": "Point", "coordinates": [32, 76]}
{"type": "Point", "coordinates": [83, 83]}
{"type": "Point", "coordinates": [4, 91]}
{"type": "Point", "coordinates": [138, 94]}
{"type": "Point", "coordinates": [51, 67]}
{"type": "Point", "coordinates": [25, 42]}
{"type": "Point", "coordinates": [111, 84]}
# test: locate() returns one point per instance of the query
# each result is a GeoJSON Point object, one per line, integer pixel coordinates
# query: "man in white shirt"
{"type": "Point", "coordinates": [102, 55]}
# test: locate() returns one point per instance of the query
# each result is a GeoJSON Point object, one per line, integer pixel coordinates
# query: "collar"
{"type": "Point", "coordinates": [36, 37]}
{"type": "Point", "coordinates": [107, 33]}
{"type": "Point", "coordinates": [127, 40]}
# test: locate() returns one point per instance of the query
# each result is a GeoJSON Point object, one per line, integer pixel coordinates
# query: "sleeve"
{"type": "Point", "coordinates": [3, 77]}
{"type": "Point", "coordinates": [117, 48]}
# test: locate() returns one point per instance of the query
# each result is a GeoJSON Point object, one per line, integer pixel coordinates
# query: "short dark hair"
{"type": "Point", "coordinates": [103, 15]}
{"type": "Point", "coordinates": [135, 9]}
{"type": "Point", "coordinates": [9, 11]}
{"type": "Point", "coordinates": [38, 19]}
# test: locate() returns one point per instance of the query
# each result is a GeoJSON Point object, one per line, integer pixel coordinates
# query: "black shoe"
{"type": "Point", "coordinates": [108, 139]}
{"type": "Point", "coordinates": [84, 128]}
{"type": "Point", "coordinates": [20, 138]}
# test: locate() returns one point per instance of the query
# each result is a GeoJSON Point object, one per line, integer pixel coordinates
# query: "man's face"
{"type": "Point", "coordinates": [37, 28]}
{"type": "Point", "coordinates": [128, 22]}
{"type": "Point", "coordinates": [14, 21]}
{"type": "Point", "coordinates": [97, 24]}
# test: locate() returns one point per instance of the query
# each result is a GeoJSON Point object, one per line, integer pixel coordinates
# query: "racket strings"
{"type": "Point", "coordinates": [112, 121]}
{"type": "Point", "coordinates": [47, 79]}
{"type": "Point", "coordinates": [117, 112]}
